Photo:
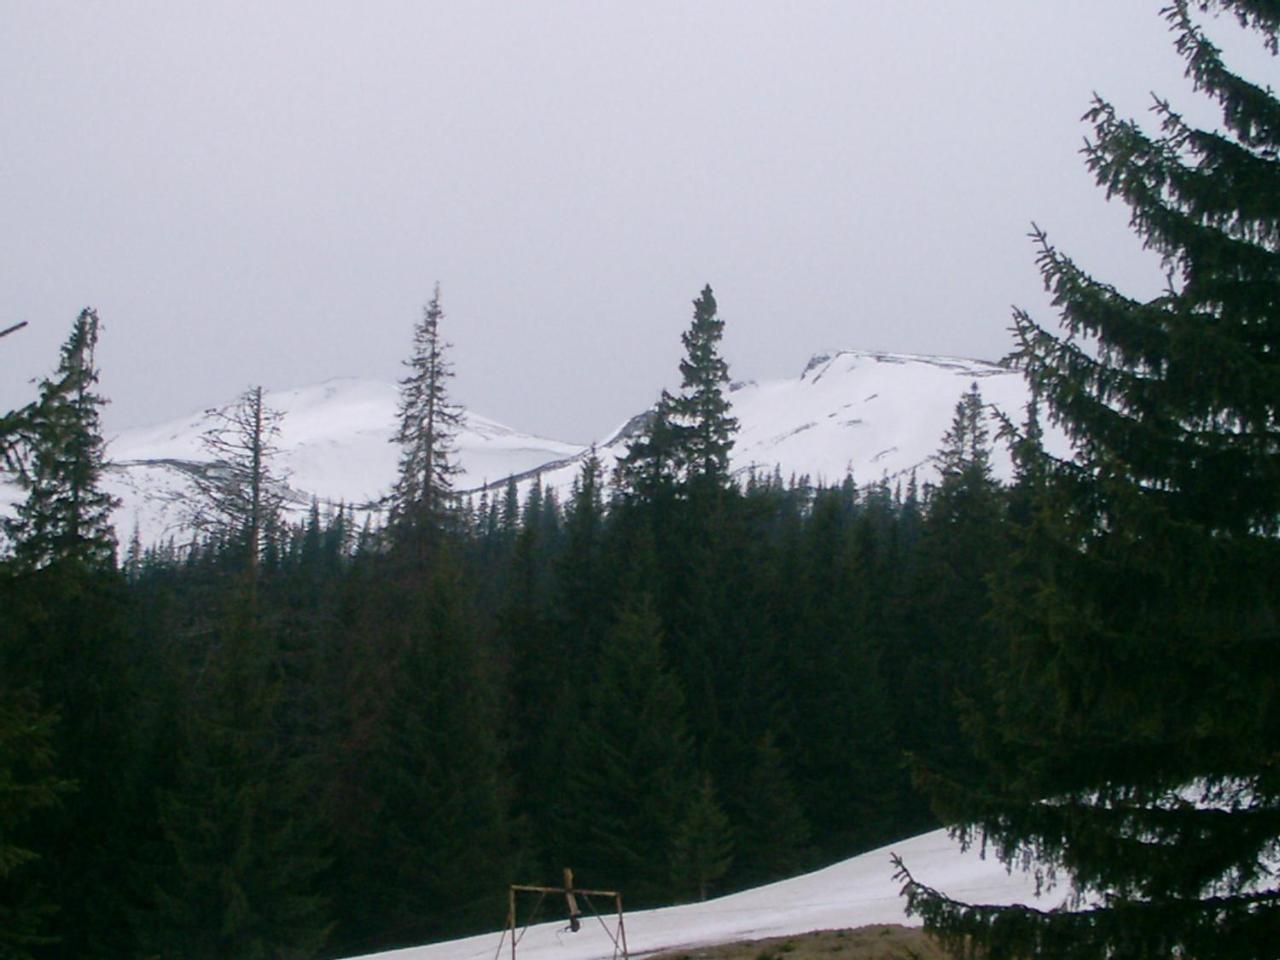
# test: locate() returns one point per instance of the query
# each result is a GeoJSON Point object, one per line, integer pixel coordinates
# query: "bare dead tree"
{"type": "Point", "coordinates": [241, 491]}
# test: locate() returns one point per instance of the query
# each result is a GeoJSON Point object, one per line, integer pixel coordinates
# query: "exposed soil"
{"type": "Point", "coordinates": [879, 942]}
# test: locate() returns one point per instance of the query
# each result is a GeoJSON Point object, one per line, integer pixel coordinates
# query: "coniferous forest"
{"type": "Point", "coordinates": [326, 738]}
{"type": "Point", "coordinates": [329, 737]}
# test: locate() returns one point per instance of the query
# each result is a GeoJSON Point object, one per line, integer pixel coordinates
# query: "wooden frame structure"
{"type": "Point", "coordinates": [570, 894]}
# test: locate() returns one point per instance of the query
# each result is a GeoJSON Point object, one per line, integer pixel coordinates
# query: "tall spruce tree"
{"type": "Point", "coordinates": [689, 435]}
{"type": "Point", "coordinates": [701, 410]}
{"type": "Point", "coordinates": [1138, 720]}
{"type": "Point", "coordinates": [63, 640]}
{"type": "Point", "coordinates": [66, 516]}
{"type": "Point", "coordinates": [429, 422]}
{"type": "Point", "coordinates": [960, 547]}
{"type": "Point", "coordinates": [28, 783]}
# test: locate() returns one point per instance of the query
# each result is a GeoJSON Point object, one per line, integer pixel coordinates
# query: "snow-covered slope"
{"type": "Point", "coordinates": [877, 415]}
{"type": "Point", "coordinates": [854, 893]}
{"type": "Point", "coordinates": [335, 444]}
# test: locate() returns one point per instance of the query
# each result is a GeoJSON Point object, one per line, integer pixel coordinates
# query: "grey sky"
{"type": "Point", "coordinates": [265, 192]}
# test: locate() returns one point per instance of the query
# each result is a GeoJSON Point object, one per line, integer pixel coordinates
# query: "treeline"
{"type": "Point", "coordinates": [325, 740]}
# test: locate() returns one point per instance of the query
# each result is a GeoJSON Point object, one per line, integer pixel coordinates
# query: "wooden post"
{"type": "Point", "coordinates": [622, 930]}
{"type": "Point", "coordinates": [511, 919]}
{"type": "Point", "coordinates": [575, 924]}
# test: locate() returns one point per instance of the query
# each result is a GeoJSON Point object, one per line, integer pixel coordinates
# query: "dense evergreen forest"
{"type": "Point", "coordinates": [315, 739]}
{"type": "Point", "coordinates": [327, 738]}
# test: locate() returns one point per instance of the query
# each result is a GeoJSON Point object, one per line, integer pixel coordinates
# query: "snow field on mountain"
{"type": "Point", "coordinates": [335, 444]}
{"type": "Point", "coordinates": [853, 893]}
{"type": "Point", "coordinates": [877, 415]}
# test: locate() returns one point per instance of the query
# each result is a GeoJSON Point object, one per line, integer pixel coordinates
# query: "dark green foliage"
{"type": "Point", "coordinates": [244, 848]}
{"type": "Point", "coordinates": [687, 439]}
{"type": "Point", "coordinates": [431, 854]}
{"type": "Point", "coordinates": [28, 786]}
{"type": "Point", "coordinates": [840, 736]}
{"type": "Point", "coordinates": [701, 411]}
{"type": "Point", "coordinates": [1135, 730]}
{"type": "Point", "coordinates": [773, 835]}
{"type": "Point", "coordinates": [361, 744]}
{"type": "Point", "coordinates": [380, 680]}
{"type": "Point", "coordinates": [702, 848]}
{"type": "Point", "coordinates": [65, 646]}
{"type": "Point", "coordinates": [630, 767]}
{"type": "Point", "coordinates": [423, 492]}
{"type": "Point", "coordinates": [65, 516]}
{"type": "Point", "coordinates": [961, 544]}
{"type": "Point", "coordinates": [649, 470]}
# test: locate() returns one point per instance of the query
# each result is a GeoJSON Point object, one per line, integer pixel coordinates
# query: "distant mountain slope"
{"type": "Point", "coordinates": [876, 415]}
{"type": "Point", "coordinates": [335, 444]}
{"type": "Point", "coordinates": [853, 893]}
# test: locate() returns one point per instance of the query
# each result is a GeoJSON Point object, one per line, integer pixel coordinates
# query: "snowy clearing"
{"type": "Point", "coordinates": [853, 893]}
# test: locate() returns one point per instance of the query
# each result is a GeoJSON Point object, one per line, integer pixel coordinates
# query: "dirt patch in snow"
{"type": "Point", "coordinates": [878, 942]}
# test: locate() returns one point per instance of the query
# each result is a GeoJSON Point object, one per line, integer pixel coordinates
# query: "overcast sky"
{"type": "Point", "coordinates": [266, 192]}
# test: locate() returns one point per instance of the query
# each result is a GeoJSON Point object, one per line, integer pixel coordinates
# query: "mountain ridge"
{"type": "Point", "coordinates": [875, 415]}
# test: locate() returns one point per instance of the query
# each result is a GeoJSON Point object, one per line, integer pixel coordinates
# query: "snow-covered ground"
{"type": "Point", "coordinates": [853, 893]}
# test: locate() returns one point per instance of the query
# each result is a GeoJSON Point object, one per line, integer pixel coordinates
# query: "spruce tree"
{"type": "Point", "coordinates": [961, 545]}
{"type": "Point", "coordinates": [65, 642]}
{"type": "Point", "coordinates": [689, 435]}
{"type": "Point", "coordinates": [702, 848]}
{"type": "Point", "coordinates": [582, 595]}
{"type": "Point", "coordinates": [28, 782]}
{"type": "Point", "coordinates": [630, 768]}
{"type": "Point", "coordinates": [1134, 735]}
{"type": "Point", "coordinates": [648, 470]}
{"type": "Point", "coordinates": [701, 409]}
{"type": "Point", "coordinates": [66, 516]}
{"type": "Point", "coordinates": [429, 424]}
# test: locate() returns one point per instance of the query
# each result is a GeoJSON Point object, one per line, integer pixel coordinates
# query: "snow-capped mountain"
{"type": "Point", "coordinates": [854, 893]}
{"type": "Point", "coordinates": [875, 415]}
{"type": "Point", "coordinates": [334, 445]}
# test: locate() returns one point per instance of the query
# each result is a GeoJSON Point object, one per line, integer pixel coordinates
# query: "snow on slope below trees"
{"type": "Point", "coordinates": [853, 893]}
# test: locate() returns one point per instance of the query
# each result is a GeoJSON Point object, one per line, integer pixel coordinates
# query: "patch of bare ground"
{"type": "Point", "coordinates": [879, 942]}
